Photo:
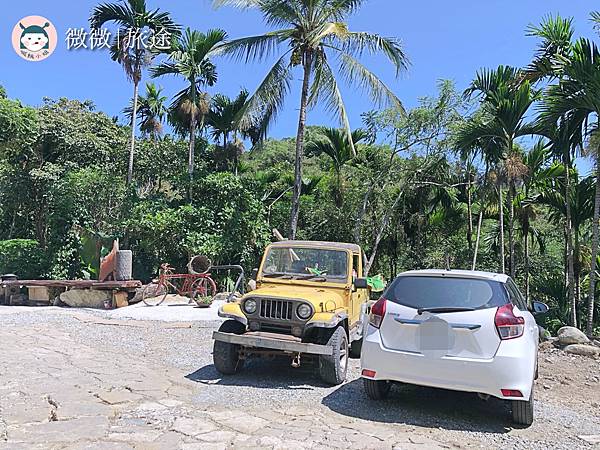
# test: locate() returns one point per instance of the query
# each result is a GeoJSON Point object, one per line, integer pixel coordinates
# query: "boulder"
{"type": "Point", "coordinates": [582, 350]}
{"type": "Point", "coordinates": [152, 290]}
{"type": "Point", "coordinates": [571, 335]}
{"type": "Point", "coordinates": [86, 298]}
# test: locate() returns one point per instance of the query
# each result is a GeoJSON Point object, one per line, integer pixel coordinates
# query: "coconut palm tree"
{"type": "Point", "coordinates": [132, 17]}
{"type": "Point", "coordinates": [577, 95]}
{"type": "Point", "coordinates": [313, 34]}
{"type": "Point", "coordinates": [189, 58]}
{"type": "Point", "coordinates": [505, 102]}
{"type": "Point", "coordinates": [334, 143]}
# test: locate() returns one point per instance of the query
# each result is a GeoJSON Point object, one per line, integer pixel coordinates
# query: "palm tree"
{"type": "Point", "coordinates": [334, 143]}
{"type": "Point", "coordinates": [556, 34]}
{"type": "Point", "coordinates": [223, 114]}
{"type": "Point", "coordinates": [539, 172]}
{"type": "Point", "coordinates": [132, 18]}
{"type": "Point", "coordinates": [577, 96]}
{"type": "Point", "coordinates": [313, 32]}
{"type": "Point", "coordinates": [579, 203]}
{"type": "Point", "coordinates": [189, 59]}
{"type": "Point", "coordinates": [505, 101]}
{"type": "Point", "coordinates": [223, 118]}
{"type": "Point", "coordinates": [151, 110]}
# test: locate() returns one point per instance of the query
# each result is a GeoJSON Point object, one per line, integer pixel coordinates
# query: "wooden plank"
{"type": "Point", "coordinates": [80, 284]}
{"type": "Point", "coordinates": [38, 294]}
{"type": "Point", "coordinates": [120, 299]}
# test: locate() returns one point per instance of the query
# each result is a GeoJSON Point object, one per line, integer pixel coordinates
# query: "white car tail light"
{"type": "Point", "coordinates": [508, 325]}
{"type": "Point", "coordinates": [377, 312]}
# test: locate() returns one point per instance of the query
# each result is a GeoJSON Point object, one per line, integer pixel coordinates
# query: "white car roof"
{"type": "Point", "coordinates": [502, 278]}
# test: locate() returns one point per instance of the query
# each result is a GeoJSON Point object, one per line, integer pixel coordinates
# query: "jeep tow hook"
{"type": "Point", "coordinates": [296, 361]}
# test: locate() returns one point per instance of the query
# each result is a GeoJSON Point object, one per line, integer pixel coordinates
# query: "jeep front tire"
{"type": "Point", "coordinates": [333, 368]}
{"type": "Point", "coordinates": [226, 356]}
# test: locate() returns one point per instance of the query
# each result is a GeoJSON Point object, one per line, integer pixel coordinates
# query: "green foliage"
{"type": "Point", "coordinates": [412, 192]}
{"type": "Point", "coordinates": [226, 223]}
{"type": "Point", "coordinates": [23, 257]}
{"type": "Point", "coordinates": [18, 124]}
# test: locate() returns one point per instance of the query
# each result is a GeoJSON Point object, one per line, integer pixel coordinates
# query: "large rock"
{"type": "Point", "coordinates": [571, 335]}
{"type": "Point", "coordinates": [152, 290]}
{"type": "Point", "coordinates": [86, 298]}
{"type": "Point", "coordinates": [582, 350]}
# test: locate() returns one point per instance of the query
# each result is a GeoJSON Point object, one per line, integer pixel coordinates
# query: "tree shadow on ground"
{"type": "Point", "coordinates": [262, 373]}
{"type": "Point", "coordinates": [424, 407]}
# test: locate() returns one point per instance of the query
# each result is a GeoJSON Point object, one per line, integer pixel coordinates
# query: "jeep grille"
{"type": "Point", "coordinates": [276, 309]}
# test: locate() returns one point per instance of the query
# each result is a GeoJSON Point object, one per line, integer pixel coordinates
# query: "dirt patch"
{"type": "Point", "coordinates": [569, 380]}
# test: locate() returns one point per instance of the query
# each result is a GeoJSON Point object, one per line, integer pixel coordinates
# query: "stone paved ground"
{"type": "Point", "coordinates": [73, 380]}
{"type": "Point", "coordinates": [56, 392]}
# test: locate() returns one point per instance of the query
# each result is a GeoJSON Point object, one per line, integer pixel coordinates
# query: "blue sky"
{"type": "Point", "coordinates": [444, 39]}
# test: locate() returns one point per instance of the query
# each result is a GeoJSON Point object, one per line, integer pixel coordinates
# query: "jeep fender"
{"type": "Point", "coordinates": [233, 311]}
{"type": "Point", "coordinates": [327, 320]}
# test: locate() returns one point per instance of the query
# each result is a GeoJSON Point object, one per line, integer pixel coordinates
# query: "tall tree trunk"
{"type": "Point", "coordinates": [339, 200]}
{"type": "Point", "coordinates": [501, 207]}
{"type": "Point", "coordinates": [595, 238]}
{"type": "Point", "coordinates": [469, 212]}
{"type": "Point", "coordinates": [12, 223]}
{"type": "Point", "coordinates": [192, 149]}
{"type": "Point", "coordinates": [569, 246]}
{"type": "Point", "coordinates": [300, 147]}
{"type": "Point", "coordinates": [511, 221]}
{"type": "Point", "coordinates": [526, 257]}
{"type": "Point", "coordinates": [133, 126]}
{"type": "Point", "coordinates": [477, 240]}
{"type": "Point", "coordinates": [379, 234]}
{"type": "Point", "coordinates": [576, 269]}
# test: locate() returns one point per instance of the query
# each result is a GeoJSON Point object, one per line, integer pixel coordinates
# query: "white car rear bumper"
{"type": "Point", "coordinates": [513, 367]}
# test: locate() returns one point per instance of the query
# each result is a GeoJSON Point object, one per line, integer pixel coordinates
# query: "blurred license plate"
{"type": "Point", "coordinates": [435, 334]}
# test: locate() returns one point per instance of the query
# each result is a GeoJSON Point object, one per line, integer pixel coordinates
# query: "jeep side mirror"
{"type": "Point", "coordinates": [361, 283]}
{"type": "Point", "coordinates": [539, 308]}
{"type": "Point", "coordinates": [253, 274]}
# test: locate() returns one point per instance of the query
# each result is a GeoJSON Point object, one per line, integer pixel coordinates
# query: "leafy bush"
{"type": "Point", "coordinates": [23, 257]}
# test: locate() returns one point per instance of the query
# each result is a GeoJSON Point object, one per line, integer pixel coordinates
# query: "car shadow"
{"type": "Point", "coordinates": [263, 373]}
{"type": "Point", "coordinates": [422, 406]}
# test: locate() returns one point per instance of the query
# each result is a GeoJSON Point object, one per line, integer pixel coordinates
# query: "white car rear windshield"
{"type": "Point", "coordinates": [446, 292]}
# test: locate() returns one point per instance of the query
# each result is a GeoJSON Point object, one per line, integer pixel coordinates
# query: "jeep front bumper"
{"type": "Point", "coordinates": [272, 341]}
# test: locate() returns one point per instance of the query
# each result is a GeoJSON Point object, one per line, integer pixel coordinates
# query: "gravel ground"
{"type": "Point", "coordinates": [455, 418]}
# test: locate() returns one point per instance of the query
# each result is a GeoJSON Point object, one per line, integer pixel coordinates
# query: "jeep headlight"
{"type": "Point", "coordinates": [304, 311]}
{"type": "Point", "coordinates": [250, 306]}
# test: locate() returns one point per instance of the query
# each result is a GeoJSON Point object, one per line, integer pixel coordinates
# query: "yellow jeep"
{"type": "Point", "coordinates": [308, 303]}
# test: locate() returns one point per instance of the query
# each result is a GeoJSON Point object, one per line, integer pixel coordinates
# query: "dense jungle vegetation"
{"type": "Point", "coordinates": [482, 176]}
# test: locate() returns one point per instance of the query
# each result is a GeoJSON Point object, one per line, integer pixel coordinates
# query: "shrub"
{"type": "Point", "coordinates": [23, 257]}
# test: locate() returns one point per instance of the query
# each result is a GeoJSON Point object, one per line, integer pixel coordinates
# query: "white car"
{"type": "Point", "coordinates": [452, 329]}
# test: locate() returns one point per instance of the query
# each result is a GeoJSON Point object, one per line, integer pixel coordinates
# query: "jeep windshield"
{"type": "Point", "coordinates": [307, 264]}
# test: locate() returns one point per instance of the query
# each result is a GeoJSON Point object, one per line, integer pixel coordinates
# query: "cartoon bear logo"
{"type": "Point", "coordinates": [34, 38]}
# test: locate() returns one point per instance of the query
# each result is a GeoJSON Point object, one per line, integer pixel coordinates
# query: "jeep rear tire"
{"type": "Point", "coordinates": [333, 368]}
{"type": "Point", "coordinates": [226, 356]}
